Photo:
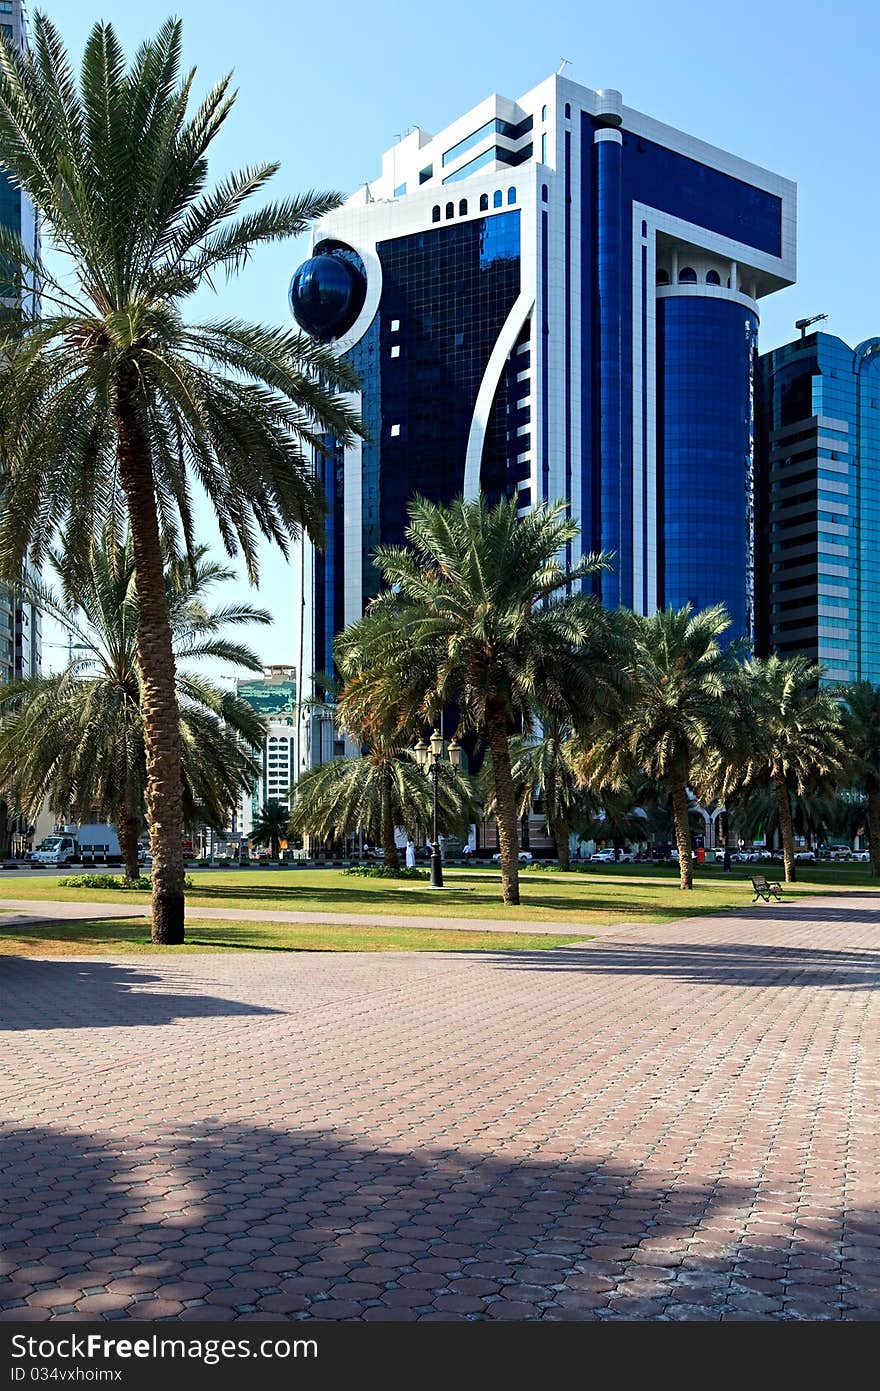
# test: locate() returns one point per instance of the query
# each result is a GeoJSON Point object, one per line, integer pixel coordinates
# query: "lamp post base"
{"type": "Point", "coordinates": [436, 868]}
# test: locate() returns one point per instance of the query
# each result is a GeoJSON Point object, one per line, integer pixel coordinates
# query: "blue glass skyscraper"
{"type": "Point", "coordinates": [20, 639]}
{"type": "Point", "coordinates": [556, 297]}
{"type": "Point", "coordinates": [819, 502]}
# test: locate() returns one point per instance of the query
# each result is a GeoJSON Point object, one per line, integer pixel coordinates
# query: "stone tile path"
{"type": "Point", "coordinates": [667, 1122]}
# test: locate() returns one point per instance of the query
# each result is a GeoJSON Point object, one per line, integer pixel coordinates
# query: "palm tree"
{"type": "Point", "coordinates": [547, 766]}
{"type": "Point", "coordinates": [797, 737]}
{"type": "Point", "coordinates": [270, 826]}
{"type": "Point", "coordinates": [472, 617]}
{"type": "Point", "coordinates": [862, 731]}
{"type": "Point", "coordinates": [376, 792]}
{"type": "Point", "coordinates": [112, 401]}
{"type": "Point", "coordinates": [78, 737]}
{"type": "Point", "coordinates": [680, 711]}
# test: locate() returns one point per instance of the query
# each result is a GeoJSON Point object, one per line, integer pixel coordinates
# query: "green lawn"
{"type": "Point", "coordinates": [95, 937]}
{"type": "Point", "coordinates": [626, 893]}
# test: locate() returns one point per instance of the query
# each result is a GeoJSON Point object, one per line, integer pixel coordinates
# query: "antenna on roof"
{"type": "Point", "coordinates": [804, 324]}
{"type": "Point", "coordinates": [367, 190]}
{"type": "Point", "coordinates": [563, 64]}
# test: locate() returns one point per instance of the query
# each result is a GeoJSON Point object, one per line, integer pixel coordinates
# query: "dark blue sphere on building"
{"type": "Point", "coordinates": [326, 295]}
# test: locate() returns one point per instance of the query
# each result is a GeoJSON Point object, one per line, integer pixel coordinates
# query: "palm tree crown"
{"type": "Point", "coordinates": [479, 613]}
{"type": "Point", "coordinates": [112, 401]}
{"type": "Point", "coordinates": [375, 793]}
{"type": "Point", "coordinates": [270, 826]}
{"type": "Point", "coordinates": [862, 732]}
{"type": "Point", "coordinates": [796, 736]}
{"type": "Point", "coordinates": [683, 674]}
{"type": "Point", "coordinates": [77, 737]}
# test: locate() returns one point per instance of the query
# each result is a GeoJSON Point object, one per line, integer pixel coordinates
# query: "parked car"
{"type": "Point", "coordinates": [524, 857]}
{"type": "Point", "coordinates": [805, 855]}
{"type": "Point", "coordinates": [863, 856]}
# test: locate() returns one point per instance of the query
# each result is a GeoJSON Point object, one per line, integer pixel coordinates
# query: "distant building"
{"type": "Point", "coordinates": [274, 697]}
{"type": "Point", "coordinates": [819, 502]}
{"type": "Point", "coordinates": [19, 621]}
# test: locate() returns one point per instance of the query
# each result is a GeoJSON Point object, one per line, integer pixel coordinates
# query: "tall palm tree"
{"type": "Point", "coordinates": [480, 614]}
{"type": "Point", "coordinates": [373, 794]}
{"type": "Point", "coordinates": [683, 674]}
{"type": "Point", "coordinates": [112, 401]}
{"type": "Point", "coordinates": [270, 826]}
{"type": "Point", "coordinates": [78, 737]}
{"type": "Point", "coordinates": [862, 732]}
{"type": "Point", "coordinates": [797, 737]}
{"type": "Point", "coordinates": [547, 766]}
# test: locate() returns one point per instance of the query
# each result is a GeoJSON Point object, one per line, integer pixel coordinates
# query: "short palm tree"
{"type": "Point", "coordinates": [796, 737]}
{"type": "Point", "coordinates": [78, 737]}
{"type": "Point", "coordinates": [862, 732]}
{"type": "Point", "coordinates": [270, 826]}
{"type": "Point", "coordinates": [375, 793]}
{"type": "Point", "coordinates": [683, 674]}
{"type": "Point", "coordinates": [112, 401]}
{"type": "Point", "coordinates": [546, 766]}
{"type": "Point", "coordinates": [480, 614]}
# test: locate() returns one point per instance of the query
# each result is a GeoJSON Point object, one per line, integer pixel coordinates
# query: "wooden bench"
{"type": "Point", "coordinates": [764, 888]}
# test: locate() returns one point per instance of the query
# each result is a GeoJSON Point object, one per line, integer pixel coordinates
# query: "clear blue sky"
{"type": "Point", "coordinates": [326, 87]}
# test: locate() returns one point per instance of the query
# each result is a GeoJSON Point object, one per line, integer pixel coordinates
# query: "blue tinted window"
{"type": "Point", "coordinates": [684, 187]}
{"type": "Point", "coordinates": [495, 127]}
{"type": "Point", "coordinates": [479, 162]}
{"type": "Point", "coordinates": [450, 209]}
{"type": "Point", "coordinates": [511, 195]}
{"type": "Point", "coordinates": [713, 278]}
{"type": "Point", "coordinates": [435, 213]}
{"type": "Point", "coordinates": [462, 207]}
{"type": "Point", "coordinates": [400, 190]}
{"type": "Point", "coordinates": [687, 276]}
{"type": "Point", "coordinates": [497, 199]}
{"type": "Point", "coordinates": [431, 388]}
{"type": "Point", "coordinates": [426, 174]}
{"type": "Point", "coordinates": [470, 141]}
{"type": "Point", "coordinates": [484, 202]}
{"type": "Point", "coordinates": [705, 353]}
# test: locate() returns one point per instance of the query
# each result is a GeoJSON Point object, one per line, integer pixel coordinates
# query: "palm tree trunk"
{"type": "Point", "coordinates": [560, 835]}
{"type": "Point", "coordinates": [874, 829]}
{"type": "Point", "coordinates": [127, 829]}
{"type": "Point", "coordinates": [161, 716]}
{"type": "Point", "coordinates": [678, 798]}
{"type": "Point", "coordinates": [389, 845]}
{"type": "Point", "coordinates": [786, 827]}
{"type": "Point", "coordinates": [505, 801]}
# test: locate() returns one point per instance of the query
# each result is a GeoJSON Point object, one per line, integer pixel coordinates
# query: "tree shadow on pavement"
{"type": "Point", "coordinates": [701, 963]}
{"type": "Point", "coordinates": [248, 1222]}
{"type": "Point", "coordinates": [57, 994]}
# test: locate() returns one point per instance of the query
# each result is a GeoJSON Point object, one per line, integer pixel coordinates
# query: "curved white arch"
{"type": "Point", "coordinates": [504, 345]}
{"type": "Point", "coordinates": [373, 267]}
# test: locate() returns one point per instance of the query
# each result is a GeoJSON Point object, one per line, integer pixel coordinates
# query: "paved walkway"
{"type": "Point", "coordinates": [669, 1122]}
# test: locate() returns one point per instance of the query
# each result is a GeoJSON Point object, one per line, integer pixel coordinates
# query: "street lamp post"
{"type": "Point", "coordinates": [428, 756]}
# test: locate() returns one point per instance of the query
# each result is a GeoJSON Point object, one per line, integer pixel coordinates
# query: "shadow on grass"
{"type": "Point", "coordinates": [245, 1221]}
{"type": "Point", "coordinates": [51, 994]}
{"type": "Point", "coordinates": [364, 900]}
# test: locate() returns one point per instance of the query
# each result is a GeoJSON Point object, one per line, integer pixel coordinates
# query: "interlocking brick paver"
{"type": "Point", "coordinates": [668, 1122]}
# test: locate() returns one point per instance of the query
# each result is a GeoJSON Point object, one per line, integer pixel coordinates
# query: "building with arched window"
{"type": "Point", "coordinates": [579, 322]}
